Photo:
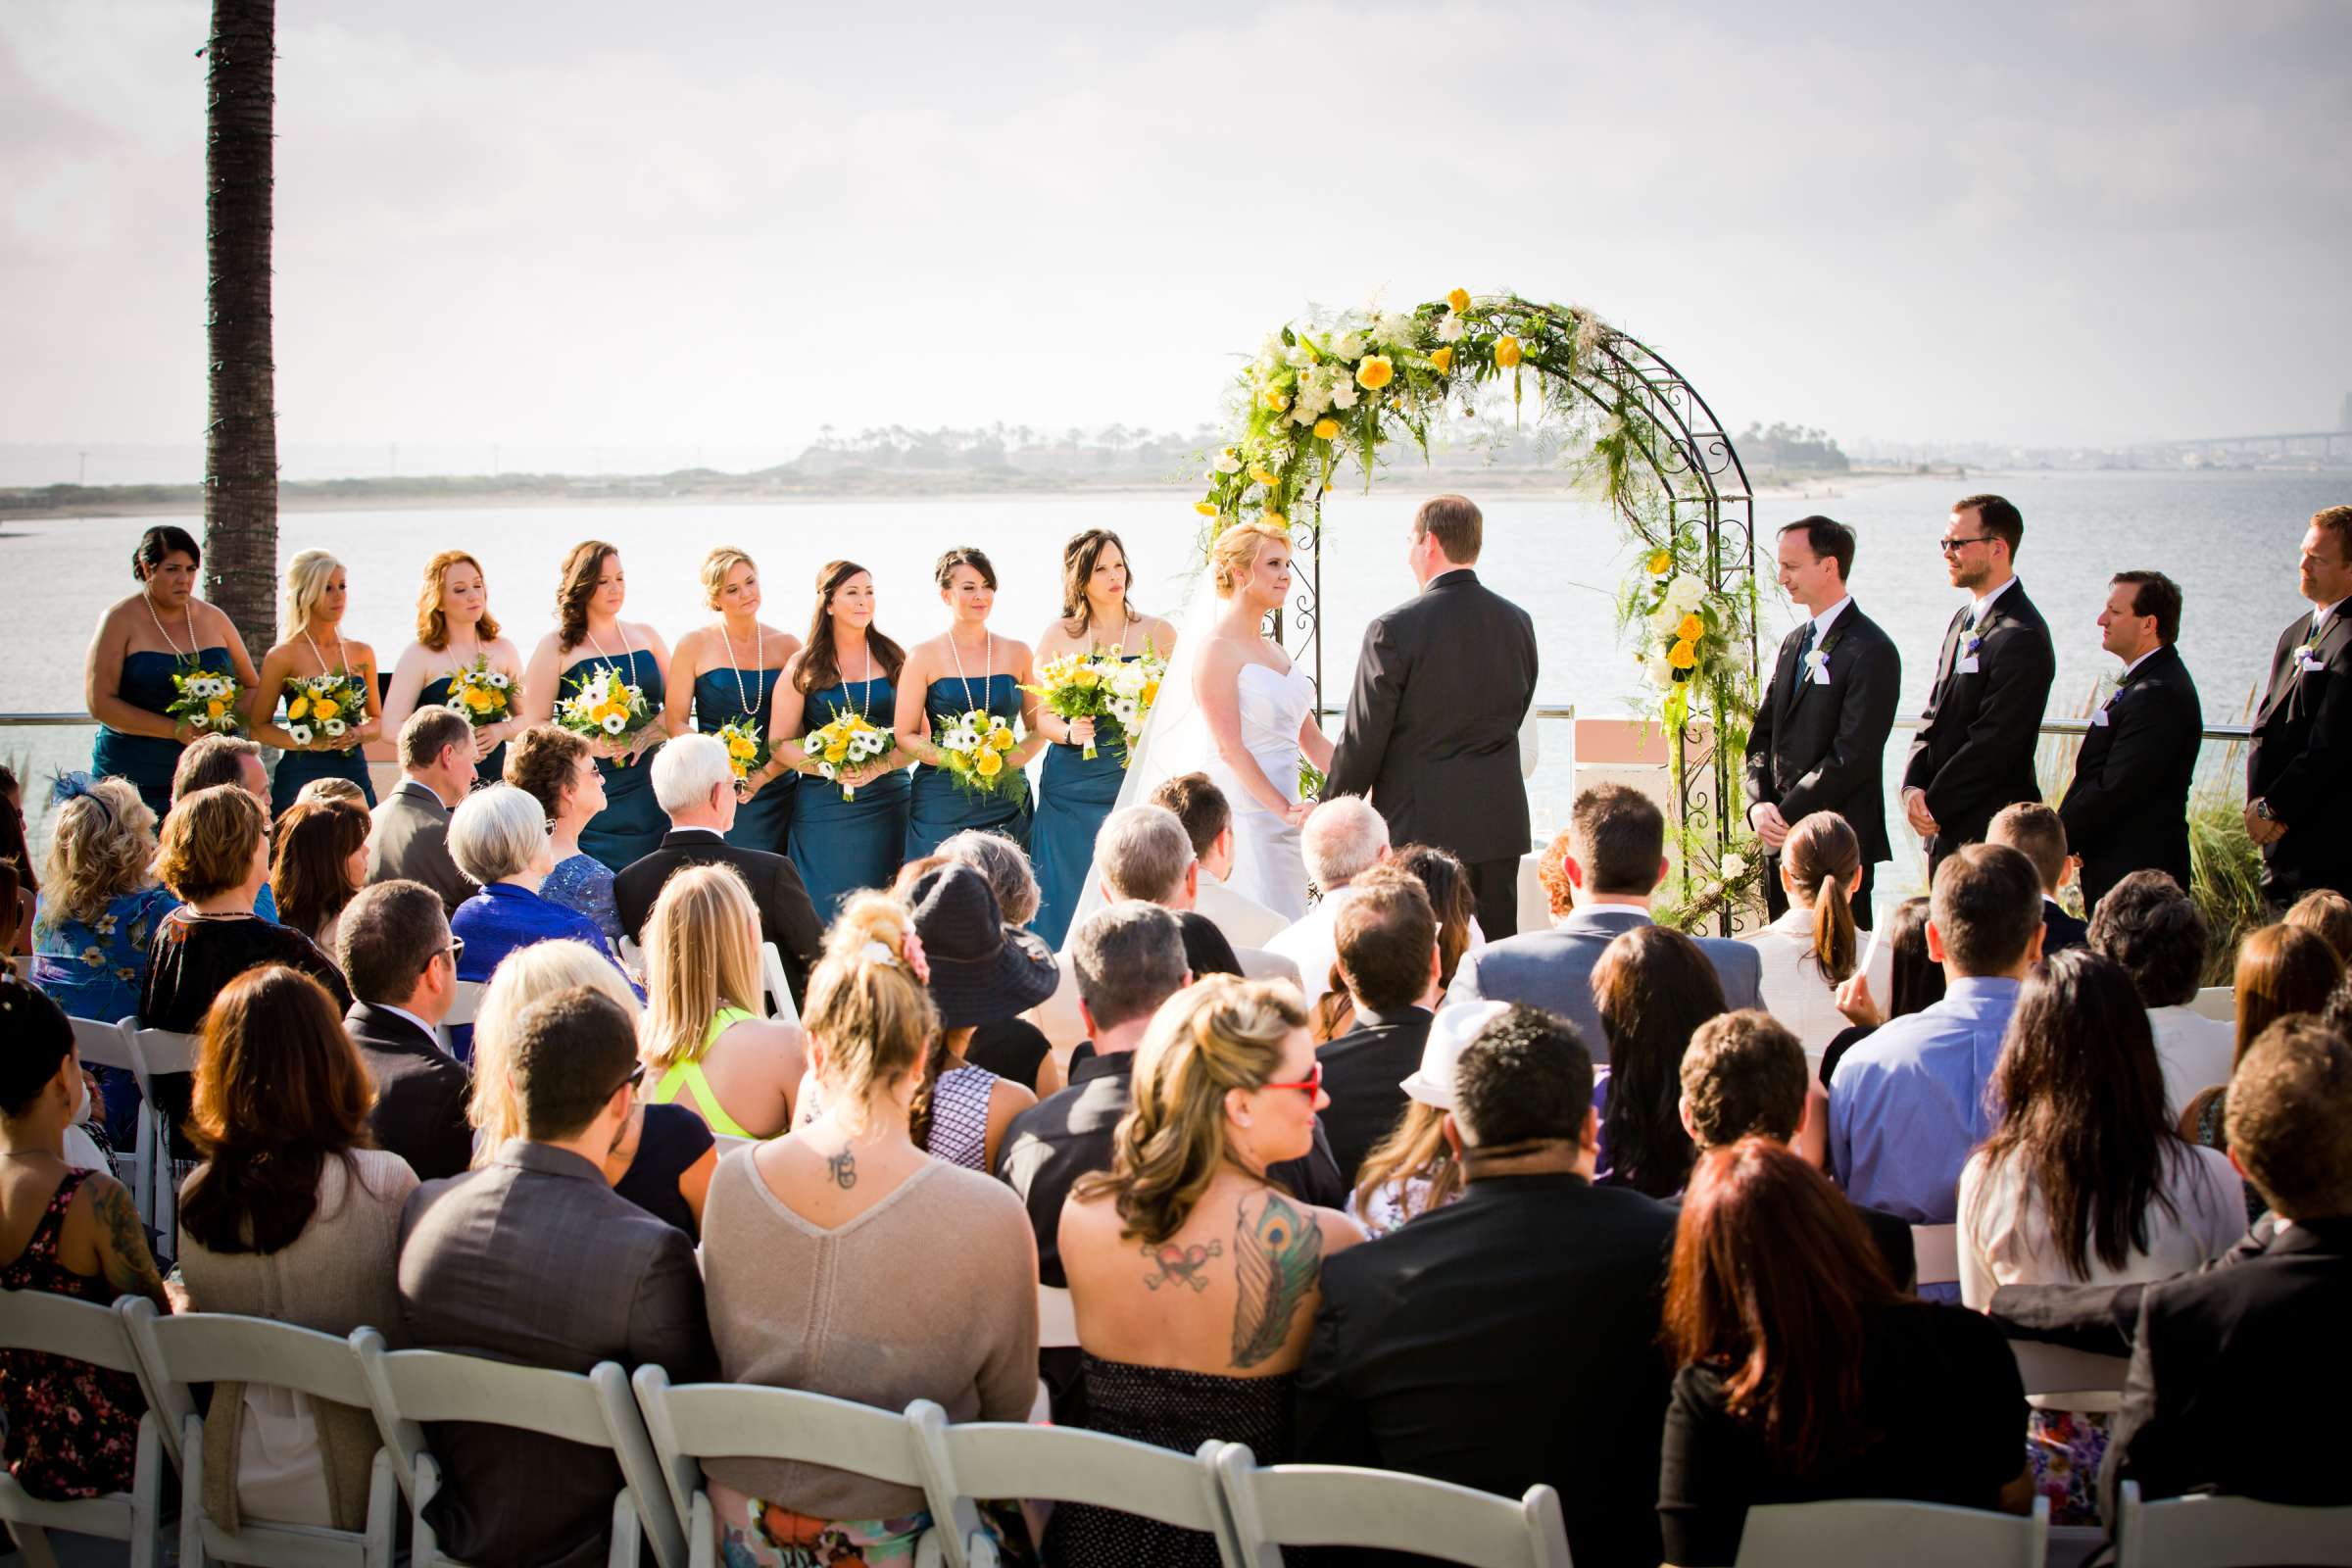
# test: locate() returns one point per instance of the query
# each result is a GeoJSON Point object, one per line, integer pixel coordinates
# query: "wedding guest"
{"type": "Point", "coordinates": [2282, 970]}
{"type": "Point", "coordinates": [847, 833]}
{"type": "Point", "coordinates": [73, 1428]}
{"type": "Point", "coordinates": [1439, 1349]}
{"type": "Point", "coordinates": [709, 673]}
{"type": "Point", "coordinates": [1913, 982]}
{"type": "Point", "coordinates": [1976, 738]}
{"type": "Point", "coordinates": [1613, 855]}
{"type": "Point", "coordinates": [696, 786]}
{"type": "Point", "coordinates": [932, 1264]}
{"type": "Point", "coordinates": [2296, 760]}
{"type": "Point", "coordinates": [1447, 883]}
{"type": "Point", "coordinates": [703, 1035]}
{"type": "Point", "coordinates": [142, 642]}
{"type": "Point", "coordinates": [402, 963]}
{"type": "Point", "coordinates": [1813, 947]}
{"type": "Point", "coordinates": [1819, 739]}
{"type": "Point", "coordinates": [1804, 1375]}
{"type": "Point", "coordinates": [16, 848]}
{"type": "Point", "coordinates": [1908, 1105]}
{"type": "Point", "coordinates": [456, 634]}
{"type": "Point", "coordinates": [936, 693]}
{"type": "Point", "coordinates": [320, 861]}
{"type": "Point", "coordinates": [2037, 833]}
{"type": "Point", "coordinates": [1075, 792]}
{"type": "Point", "coordinates": [2158, 934]}
{"type": "Point", "coordinates": [1653, 987]}
{"type": "Point", "coordinates": [1744, 1076]}
{"type": "Point", "coordinates": [1207, 819]}
{"type": "Point", "coordinates": [1387, 954]}
{"type": "Point", "coordinates": [1343, 839]}
{"type": "Point", "coordinates": [2328, 912]}
{"type": "Point", "coordinates": [2127, 809]}
{"type": "Point", "coordinates": [558, 770]}
{"type": "Point", "coordinates": [291, 1216]}
{"type": "Point", "coordinates": [321, 791]}
{"type": "Point", "coordinates": [590, 638]}
{"type": "Point", "coordinates": [1181, 1350]}
{"type": "Point", "coordinates": [1144, 853]}
{"type": "Point", "coordinates": [1414, 1169]}
{"type": "Point", "coordinates": [410, 838]}
{"type": "Point", "coordinates": [221, 759]}
{"type": "Point", "coordinates": [321, 734]}
{"type": "Point", "coordinates": [2085, 1179]}
{"type": "Point", "coordinates": [1443, 683]}
{"type": "Point", "coordinates": [91, 937]}
{"type": "Point", "coordinates": [1013, 1049]}
{"type": "Point", "coordinates": [535, 1261]}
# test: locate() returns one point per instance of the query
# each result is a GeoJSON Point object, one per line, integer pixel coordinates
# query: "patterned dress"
{"type": "Point", "coordinates": [73, 1428]}
{"type": "Point", "coordinates": [97, 970]}
{"type": "Point", "coordinates": [583, 884]}
{"type": "Point", "coordinates": [960, 1117]}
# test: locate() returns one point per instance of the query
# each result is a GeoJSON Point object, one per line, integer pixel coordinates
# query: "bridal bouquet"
{"type": "Point", "coordinates": [603, 706]}
{"type": "Point", "coordinates": [849, 741]}
{"type": "Point", "coordinates": [207, 703]}
{"type": "Point", "coordinates": [747, 747]}
{"type": "Point", "coordinates": [325, 708]}
{"type": "Point", "coordinates": [482, 696]}
{"type": "Point", "coordinates": [977, 745]}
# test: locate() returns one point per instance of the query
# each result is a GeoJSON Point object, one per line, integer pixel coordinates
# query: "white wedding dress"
{"type": "Point", "coordinates": [1267, 865]}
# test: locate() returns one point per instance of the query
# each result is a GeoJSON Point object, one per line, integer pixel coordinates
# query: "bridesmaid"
{"type": "Point", "coordinates": [847, 667]}
{"type": "Point", "coordinates": [315, 645]}
{"type": "Point", "coordinates": [940, 687]}
{"type": "Point", "coordinates": [1075, 795]}
{"type": "Point", "coordinates": [142, 642]}
{"type": "Point", "coordinates": [588, 620]}
{"type": "Point", "coordinates": [454, 630]}
{"type": "Point", "coordinates": [711, 677]}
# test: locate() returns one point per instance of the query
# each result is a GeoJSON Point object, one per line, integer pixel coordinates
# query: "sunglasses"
{"type": "Point", "coordinates": [1952, 547]}
{"type": "Point", "coordinates": [1311, 1086]}
{"type": "Point", "coordinates": [630, 1083]}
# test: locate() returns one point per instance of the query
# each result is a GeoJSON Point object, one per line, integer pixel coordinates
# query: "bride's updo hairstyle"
{"type": "Point", "coordinates": [868, 1005]}
{"type": "Point", "coordinates": [577, 585]}
{"type": "Point", "coordinates": [307, 578]}
{"type": "Point", "coordinates": [1215, 1036]}
{"type": "Point", "coordinates": [1236, 552]}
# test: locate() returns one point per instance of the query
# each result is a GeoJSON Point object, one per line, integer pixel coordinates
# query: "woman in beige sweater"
{"type": "Point", "coordinates": [291, 1217]}
{"type": "Point", "coordinates": [842, 1261]}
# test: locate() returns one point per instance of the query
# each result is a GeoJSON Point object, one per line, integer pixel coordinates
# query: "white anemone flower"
{"type": "Point", "coordinates": [615, 723]}
{"type": "Point", "coordinates": [497, 680]}
{"type": "Point", "coordinates": [300, 733]}
{"type": "Point", "coordinates": [334, 728]}
{"type": "Point", "coordinates": [456, 704]}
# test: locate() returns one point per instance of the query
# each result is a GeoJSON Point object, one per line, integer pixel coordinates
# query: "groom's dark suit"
{"type": "Point", "coordinates": [1442, 685]}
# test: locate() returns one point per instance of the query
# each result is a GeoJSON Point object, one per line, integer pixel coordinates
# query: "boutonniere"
{"type": "Point", "coordinates": [2307, 659]}
{"type": "Point", "coordinates": [1817, 660]}
{"type": "Point", "coordinates": [1972, 644]}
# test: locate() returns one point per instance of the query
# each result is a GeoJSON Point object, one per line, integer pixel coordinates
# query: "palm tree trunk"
{"type": "Point", "coordinates": [240, 439]}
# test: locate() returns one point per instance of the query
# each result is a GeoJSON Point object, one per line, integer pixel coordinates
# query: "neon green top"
{"type": "Point", "coordinates": [690, 1075]}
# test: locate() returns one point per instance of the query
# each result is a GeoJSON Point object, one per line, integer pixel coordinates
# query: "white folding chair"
{"type": "Point", "coordinates": [2060, 1369]}
{"type": "Point", "coordinates": [1056, 1330]}
{"type": "Point", "coordinates": [179, 1352]}
{"type": "Point", "coordinates": [779, 989]}
{"type": "Point", "coordinates": [409, 1387]}
{"type": "Point", "coordinates": [696, 1421]}
{"type": "Point", "coordinates": [103, 1043]}
{"type": "Point", "coordinates": [466, 1003]}
{"type": "Point", "coordinates": [2228, 1532]}
{"type": "Point", "coordinates": [1899, 1534]}
{"type": "Point", "coordinates": [1068, 1465]}
{"type": "Point", "coordinates": [1338, 1505]}
{"type": "Point", "coordinates": [34, 1320]}
{"type": "Point", "coordinates": [157, 1053]}
{"type": "Point", "coordinates": [1936, 1250]}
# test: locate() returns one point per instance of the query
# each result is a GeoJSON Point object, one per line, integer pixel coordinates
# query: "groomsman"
{"type": "Point", "coordinates": [1975, 751]}
{"type": "Point", "coordinates": [1819, 740]}
{"type": "Point", "coordinates": [1442, 685]}
{"type": "Point", "coordinates": [2127, 807]}
{"type": "Point", "coordinates": [2297, 765]}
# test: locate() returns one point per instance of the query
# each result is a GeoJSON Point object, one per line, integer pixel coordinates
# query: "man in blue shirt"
{"type": "Point", "coordinates": [1908, 1103]}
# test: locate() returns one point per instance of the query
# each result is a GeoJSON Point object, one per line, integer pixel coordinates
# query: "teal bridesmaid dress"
{"type": "Point", "coordinates": [939, 808]}
{"type": "Point", "coordinates": [765, 820]}
{"type": "Point", "coordinates": [1072, 799]}
{"type": "Point", "coordinates": [841, 846]}
{"type": "Point", "coordinates": [297, 769]}
{"type": "Point", "coordinates": [491, 769]}
{"type": "Point", "coordinates": [150, 761]}
{"type": "Point", "coordinates": [632, 823]}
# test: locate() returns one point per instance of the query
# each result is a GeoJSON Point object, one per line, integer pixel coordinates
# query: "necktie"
{"type": "Point", "coordinates": [1812, 631]}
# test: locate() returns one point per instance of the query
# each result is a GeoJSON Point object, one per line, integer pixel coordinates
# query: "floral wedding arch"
{"type": "Point", "coordinates": [1342, 388]}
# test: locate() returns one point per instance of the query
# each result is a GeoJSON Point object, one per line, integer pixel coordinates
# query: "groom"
{"type": "Point", "coordinates": [1432, 735]}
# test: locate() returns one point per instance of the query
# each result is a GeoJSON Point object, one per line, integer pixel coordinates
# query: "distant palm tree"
{"type": "Point", "coordinates": [240, 439]}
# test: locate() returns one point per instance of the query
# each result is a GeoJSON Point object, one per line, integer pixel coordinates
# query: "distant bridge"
{"type": "Point", "coordinates": [2287, 443]}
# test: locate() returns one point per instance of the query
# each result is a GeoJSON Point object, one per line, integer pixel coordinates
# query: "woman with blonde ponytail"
{"type": "Point", "coordinates": [1195, 1277]}
{"type": "Point", "coordinates": [928, 1271]}
{"type": "Point", "coordinates": [1815, 947]}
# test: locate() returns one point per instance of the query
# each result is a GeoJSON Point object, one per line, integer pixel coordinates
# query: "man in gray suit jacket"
{"type": "Point", "coordinates": [535, 1260]}
{"type": "Point", "coordinates": [1616, 861]}
{"type": "Point", "coordinates": [411, 837]}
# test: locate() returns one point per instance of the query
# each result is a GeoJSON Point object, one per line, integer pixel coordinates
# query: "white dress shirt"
{"type": "Point", "coordinates": [1795, 991]}
{"type": "Point", "coordinates": [2195, 1053]}
{"type": "Point", "coordinates": [1312, 943]}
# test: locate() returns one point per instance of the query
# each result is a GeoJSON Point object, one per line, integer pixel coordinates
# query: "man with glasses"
{"type": "Point", "coordinates": [1977, 739]}
{"type": "Point", "coordinates": [2296, 767]}
{"type": "Point", "coordinates": [395, 948]}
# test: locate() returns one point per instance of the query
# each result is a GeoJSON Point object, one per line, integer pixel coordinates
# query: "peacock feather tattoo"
{"type": "Point", "coordinates": [1276, 1260]}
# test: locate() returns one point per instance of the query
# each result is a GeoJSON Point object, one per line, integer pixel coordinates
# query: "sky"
{"type": "Point", "coordinates": [718, 227]}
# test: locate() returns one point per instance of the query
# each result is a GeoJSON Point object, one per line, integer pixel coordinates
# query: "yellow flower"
{"type": "Point", "coordinates": [1508, 352]}
{"type": "Point", "coordinates": [1150, 693]}
{"type": "Point", "coordinates": [1086, 679]}
{"type": "Point", "coordinates": [989, 764]}
{"type": "Point", "coordinates": [837, 752]}
{"type": "Point", "coordinates": [214, 707]}
{"type": "Point", "coordinates": [1460, 299]}
{"type": "Point", "coordinates": [1275, 519]}
{"type": "Point", "coordinates": [1207, 508]}
{"type": "Point", "coordinates": [1274, 400]}
{"type": "Point", "coordinates": [1265, 476]}
{"type": "Point", "coordinates": [1691, 628]}
{"type": "Point", "coordinates": [1000, 739]}
{"type": "Point", "coordinates": [480, 700]}
{"type": "Point", "coordinates": [742, 747]}
{"type": "Point", "coordinates": [1660, 562]}
{"type": "Point", "coordinates": [325, 709]}
{"type": "Point", "coordinates": [1442, 358]}
{"type": "Point", "coordinates": [1325, 430]}
{"type": "Point", "coordinates": [298, 707]}
{"type": "Point", "coordinates": [1375, 372]}
{"type": "Point", "coordinates": [1682, 656]}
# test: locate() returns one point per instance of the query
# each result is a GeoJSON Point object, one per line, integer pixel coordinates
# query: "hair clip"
{"type": "Point", "coordinates": [913, 950]}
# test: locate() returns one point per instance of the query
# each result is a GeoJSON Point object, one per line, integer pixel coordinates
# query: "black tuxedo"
{"type": "Point", "coordinates": [1363, 1073]}
{"type": "Point", "coordinates": [786, 916]}
{"type": "Point", "coordinates": [420, 1092]}
{"type": "Point", "coordinates": [2127, 809]}
{"type": "Point", "coordinates": [1506, 1339]}
{"type": "Point", "coordinates": [1443, 683]}
{"type": "Point", "coordinates": [1816, 748]}
{"type": "Point", "coordinates": [1977, 739]}
{"type": "Point", "coordinates": [2300, 757]}
{"type": "Point", "coordinates": [2061, 930]}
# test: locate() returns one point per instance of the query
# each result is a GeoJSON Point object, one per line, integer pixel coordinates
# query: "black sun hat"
{"type": "Point", "coordinates": [982, 970]}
